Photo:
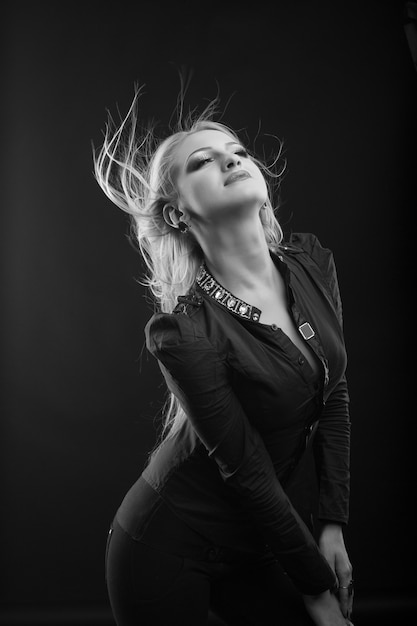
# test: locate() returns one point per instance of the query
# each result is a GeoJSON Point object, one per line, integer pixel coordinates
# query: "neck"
{"type": "Point", "coordinates": [237, 255]}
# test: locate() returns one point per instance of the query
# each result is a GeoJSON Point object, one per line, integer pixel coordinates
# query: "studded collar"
{"type": "Point", "coordinates": [220, 294]}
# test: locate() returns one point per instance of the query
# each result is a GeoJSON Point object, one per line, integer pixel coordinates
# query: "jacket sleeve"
{"type": "Point", "coordinates": [332, 453]}
{"type": "Point", "coordinates": [332, 441]}
{"type": "Point", "coordinates": [199, 376]}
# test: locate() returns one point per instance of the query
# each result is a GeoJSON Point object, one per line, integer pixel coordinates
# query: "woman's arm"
{"type": "Point", "coordinates": [332, 447]}
{"type": "Point", "coordinates": [332, 454]}
{"type": "Point", "coordinates": [332, 450]}
{"type": "Point", "coordinates": [332, 441]}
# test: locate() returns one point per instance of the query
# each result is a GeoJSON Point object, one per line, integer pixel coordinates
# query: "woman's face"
{"type": "Point", "coordinates": [215, 177]}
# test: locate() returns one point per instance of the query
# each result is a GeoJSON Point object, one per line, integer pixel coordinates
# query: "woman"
{"type": "Point", "coordinates": [248, 336]}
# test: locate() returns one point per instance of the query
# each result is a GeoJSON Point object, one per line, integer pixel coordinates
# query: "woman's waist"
{"type": "Point", "coordinates": [187, 523]}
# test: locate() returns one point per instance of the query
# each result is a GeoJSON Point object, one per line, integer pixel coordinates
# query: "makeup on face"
{"type": "Point", "coordinates": [205, 154]}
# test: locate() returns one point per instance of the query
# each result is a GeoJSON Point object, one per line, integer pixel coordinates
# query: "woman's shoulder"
{"type": "Point", "coordinates": [176, 328]}
{"type": "Point", "coordinates": [310, 249]}
{"type": "Point", "coordinates": [318, 260]}
{"type": "Point", "coordinates": [306, 242]}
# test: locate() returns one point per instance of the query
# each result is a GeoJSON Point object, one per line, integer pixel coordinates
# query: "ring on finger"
{"type": "Point", "coordinates": [349, 587]}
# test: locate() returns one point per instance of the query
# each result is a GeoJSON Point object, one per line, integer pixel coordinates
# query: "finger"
{"type": "Point", "coordinates": [350, 602]}
{"type": "Point", "coordinates": [343, 596]}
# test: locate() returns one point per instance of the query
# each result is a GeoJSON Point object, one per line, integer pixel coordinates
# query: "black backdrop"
{"type": "Point", "coordinates": [336, 82]}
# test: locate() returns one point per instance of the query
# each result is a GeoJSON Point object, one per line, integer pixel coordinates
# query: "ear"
{"type": "Point", "coordinates": [172, 215]}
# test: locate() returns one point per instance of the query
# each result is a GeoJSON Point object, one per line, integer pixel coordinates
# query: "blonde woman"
{"type": "Point", "coordinates": [248, 335]}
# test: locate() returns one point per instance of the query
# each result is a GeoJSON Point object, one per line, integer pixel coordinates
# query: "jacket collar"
{"type": "Point", "coordinates": [209, 285]}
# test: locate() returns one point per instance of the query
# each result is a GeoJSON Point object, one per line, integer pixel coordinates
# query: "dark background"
{"type": "Point", "coordinates": [336, 82]}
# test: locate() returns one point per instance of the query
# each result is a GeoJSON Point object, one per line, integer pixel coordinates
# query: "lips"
{"type": "Point", "coordinates": [235, 176]}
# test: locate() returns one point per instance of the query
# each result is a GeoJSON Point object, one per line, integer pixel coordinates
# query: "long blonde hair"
{"type": "Point", "coordinates": [134, 169]}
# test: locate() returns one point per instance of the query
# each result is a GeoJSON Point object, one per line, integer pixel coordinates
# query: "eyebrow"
{"type": "Point", "coordinates": [229, 143]}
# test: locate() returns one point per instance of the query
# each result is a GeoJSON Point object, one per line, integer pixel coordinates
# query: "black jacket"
{"type": "Point", "coordinates": [252, 400]}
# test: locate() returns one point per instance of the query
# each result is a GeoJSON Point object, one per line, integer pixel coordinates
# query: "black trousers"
{"type": "Point", "coordinates": [148, 585]}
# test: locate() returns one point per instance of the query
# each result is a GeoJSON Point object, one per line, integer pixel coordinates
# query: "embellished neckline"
{"type": "Point", "coordinates": [220, 294]}
{"type": "Point", "coordinates": [239, 307]}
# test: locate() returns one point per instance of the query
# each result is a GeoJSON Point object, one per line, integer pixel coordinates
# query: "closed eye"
{"type": "Point", "coordinates": [203, 159]}
{"type": "Point", "coordinates": [200, 162]}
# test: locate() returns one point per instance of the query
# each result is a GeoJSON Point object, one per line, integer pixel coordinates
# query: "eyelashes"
{"type": "Point", "coordinates": [202, 161]}
{"type": "Point", "coordinates": [205, 158]}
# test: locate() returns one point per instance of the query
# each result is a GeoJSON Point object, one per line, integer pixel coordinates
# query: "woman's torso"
{"type": "Point", "coordinates": [280, 379]}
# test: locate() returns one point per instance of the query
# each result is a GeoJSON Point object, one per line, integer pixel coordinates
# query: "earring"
{"type": "Point", "coordinates": [183, 227]}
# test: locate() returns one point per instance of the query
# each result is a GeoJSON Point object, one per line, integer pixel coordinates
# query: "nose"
{"type": "Point", "coordinates": [231, 160]}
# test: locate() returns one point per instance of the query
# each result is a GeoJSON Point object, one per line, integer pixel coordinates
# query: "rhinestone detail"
{"type": "Point", "coordinates": [216, 291]}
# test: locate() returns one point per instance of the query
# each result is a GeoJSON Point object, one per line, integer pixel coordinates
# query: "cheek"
{"type": "Point", "coordinates": [259, 189]}
{"type": "Point", "coordinates": [260, 178]}
{"type": "Point", "coordinates": [263, 188]}
{"type": "Point", "coordinates": [204, 192]}
{"type": "Point", "coordinates": [201, 195]}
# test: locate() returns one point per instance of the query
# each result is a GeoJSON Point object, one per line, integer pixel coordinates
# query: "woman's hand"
{"type": "Point", "coordinates": [333, 549]}
{"type": "Point", "coordinates": [324, 610]}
